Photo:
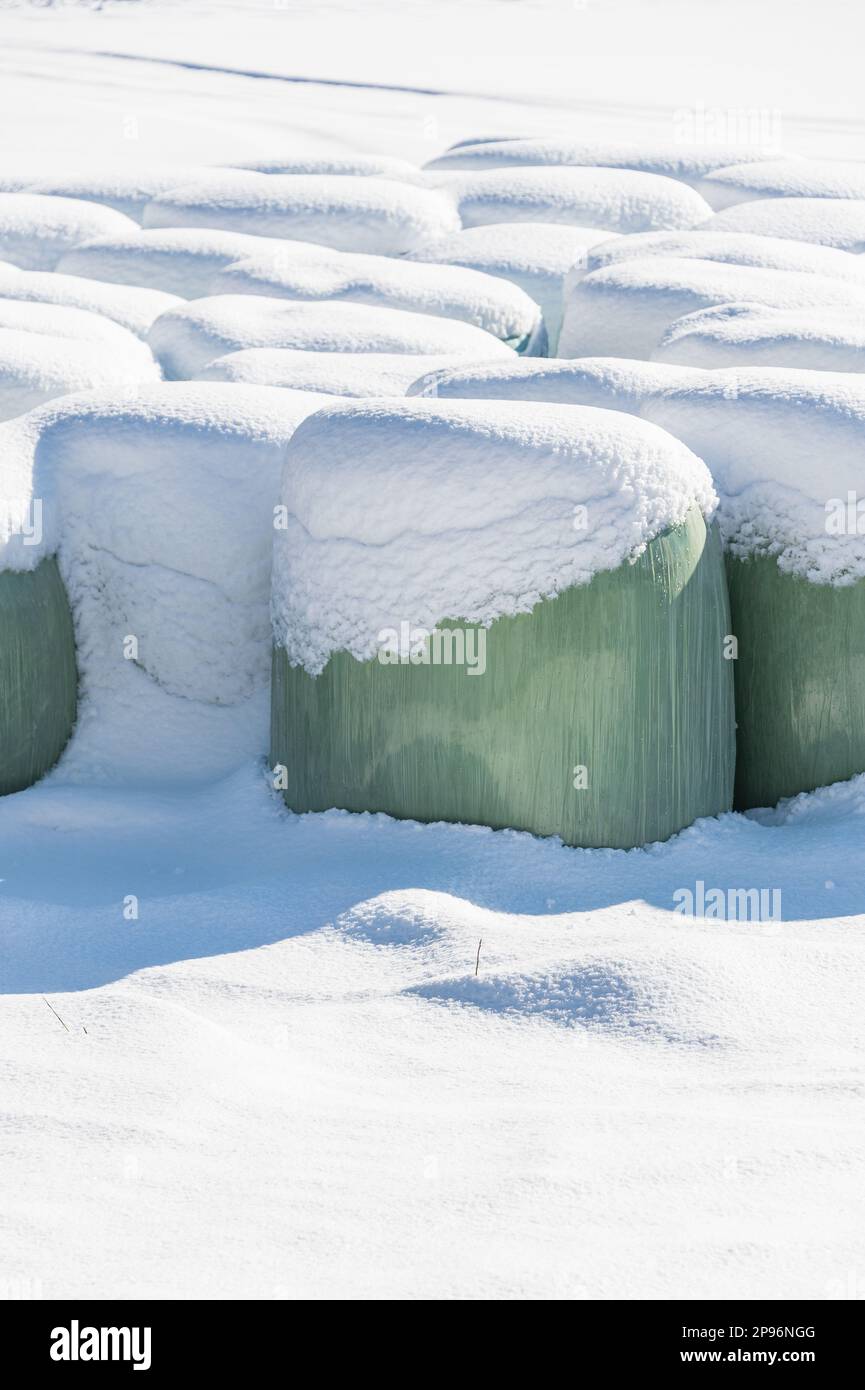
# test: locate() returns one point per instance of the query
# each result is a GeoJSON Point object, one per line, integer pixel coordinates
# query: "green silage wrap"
{"type": "Point", "coordinates": [38, 676]}
{"type": "Point", "coordinates": [624, 676]}
{"type": "Point", "coordinates": [800, 681]}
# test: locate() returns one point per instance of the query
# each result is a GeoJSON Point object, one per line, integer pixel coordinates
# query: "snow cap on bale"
{"type": "Point", "coordinates": [65, 321]}
{"type": "Point", "coordinates": [346, 212]}
{"type": "Point", "coordinates": [334, 373]}
{"type": "Point", "coordinates": [177, 260]}
{"type": "Point", "coordinates": [126, 305]}
{"type": "Point", "coordinates": [37, 367]}
{"type": "Point", "coordinates": [838, 222]}
{"type": "Point", "coordinates": [732, 248]}
{"type": "Point", "coordinates": [685, 162]}
{"type": "Point", "coordinates": [474, 516]}
{"type": "Point", "coordinates": [128, 189]}
{"type": "Point", "coordinates": [780, 444]}
{"type": "Point", "coordinates": [738, 335]}
{"type": "Point", "coordinates": [611, 383]}
{"type": "Point", "coordinates": [614, 200]}
{"type": "Point", "coordinates": [783, 178]}
{"type": "Point", "coordinates": [624, 309]}
{"type": "Point", "coordinates": [447, 291]}
{"type": "Point", "coordinates": [36, 230]}
{"type": "Point", "coordinates": [536, 256]}
{"type": "Point", "coordinates": [186, 339]}
{"type": "Point", "coordinates": [362, 165]}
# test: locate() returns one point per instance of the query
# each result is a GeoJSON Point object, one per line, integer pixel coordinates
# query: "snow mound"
{"type": "Point", "coordinates": [78, 325]}
{"type": "Point", "coordinates": [474, 513]}
{"type": "Point", "coordinates": [783, 178]}
{"type": "Point", "coordinates": [160, 505]}
{"type": "Point", "coordinates": [179, 261]}
{"type": "Point", "coordinates": [731, 248]}
{"type": "Point", "coordinates": [732, 335]}
{"type": "Point", "coordinates": [349, 213]}
{"type": "Point", "coordinates": [446, 291]}
{"type": "Point", "coordinates": [127, 190]}
{"type": "Point", "coordinates": [676, 161]}
{"type": "Point", "coordinates": [624, 309]}
{"type": "Point", "coordinates": [36, 230]}
{"type": "Point", "coordinates": [333, 373]}
{"type": "Point", "coordinates": [534, 255]}
{"type": "Point", "coordinates": [132, 308]}
{"type": "Point", "coordinates": [838, 222]}
{"type": "Point", "coordinates": [614, 200]}
{"type": "Point", "coordinates": [780, 444]}
{"type": "Point", "coordinates": [186, 339]}
{"type": "Point", "coordinates": [363, 165]}
{"type": "Point", "coordinates": [611, 383]}
{"type": "Point", "coordinates": [37, 367]}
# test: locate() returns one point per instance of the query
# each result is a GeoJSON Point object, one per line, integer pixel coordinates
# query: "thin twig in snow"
{"type": "Point", "coordinates": [54, 1011]}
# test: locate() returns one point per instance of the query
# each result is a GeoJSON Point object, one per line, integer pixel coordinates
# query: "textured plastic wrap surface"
{"type": "Point", "coordinates": [624, 677]}
{"type": "Point", "coordinates": [38, 676]}
{"type": "Point", "coordinates": [800, 681]}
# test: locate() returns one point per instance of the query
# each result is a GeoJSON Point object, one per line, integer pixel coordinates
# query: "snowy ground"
{"type": "Point", "coordinates": [285, 1078]}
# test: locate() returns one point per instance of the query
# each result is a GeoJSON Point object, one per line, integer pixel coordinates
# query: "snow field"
{"type": "Point", "coordinates": [290, 1064]}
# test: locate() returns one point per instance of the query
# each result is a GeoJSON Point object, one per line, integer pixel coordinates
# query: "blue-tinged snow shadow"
{"type": "Point", "coordinates": [98, 883]}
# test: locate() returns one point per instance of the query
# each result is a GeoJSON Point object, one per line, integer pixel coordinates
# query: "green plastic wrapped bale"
{"type": "Point", "coordinates": [604, 716]}
{"type": "Point", "coordinates": [800, 681]}
{"type": "Point", "coordinates": [38, 676]}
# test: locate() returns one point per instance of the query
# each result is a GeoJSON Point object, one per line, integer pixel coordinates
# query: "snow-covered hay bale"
{"type": "Point", "coordinates": [350, 213]}
{"type": "Point", "coordinates": [186, 339]}
{"type": "Point", "coordinates": [36, 230]}
{"type": "Point", "coordinates": [380, 166]}
{"type": "Point", "coordinates": [180, 261]}
{"type": "Point", "coordinates": [38, 675]}
{"type": "Point", "coordinates": [126, 305]}
{"type": "Point", "coordinates": [128, 189]}
{"type": "Point", "coordinates": [447, 291]}
{"type": "Point", "coordinates": [526, 630]}
{"type": "Point", "coordinates": [737, 335]}
{"type": "Point", "coordinates": [785, 449]}
{"type": "Point", "coordinates": [731, 248]}
{"type": "Point", "coordinates": [838, 222]}
{"type": "Point", "coordinates": [611, 383]}
{"type": "Point", "coordinates": [536, 256]}
{"type": "Point", "coordinates": [37, 367]}
{"type": "Point", "coordinates": [783, 178]}
{"type": "Point", "coordinates": [614, 200]}
{"type": "Point", "coordinates": [624, 309]}
{"type": "Point", "coordinates": [65, 321]}
{"type": "Point", "coordinates": [334, 373]}
{"type": "Point", "coordinates": [688, 163]}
